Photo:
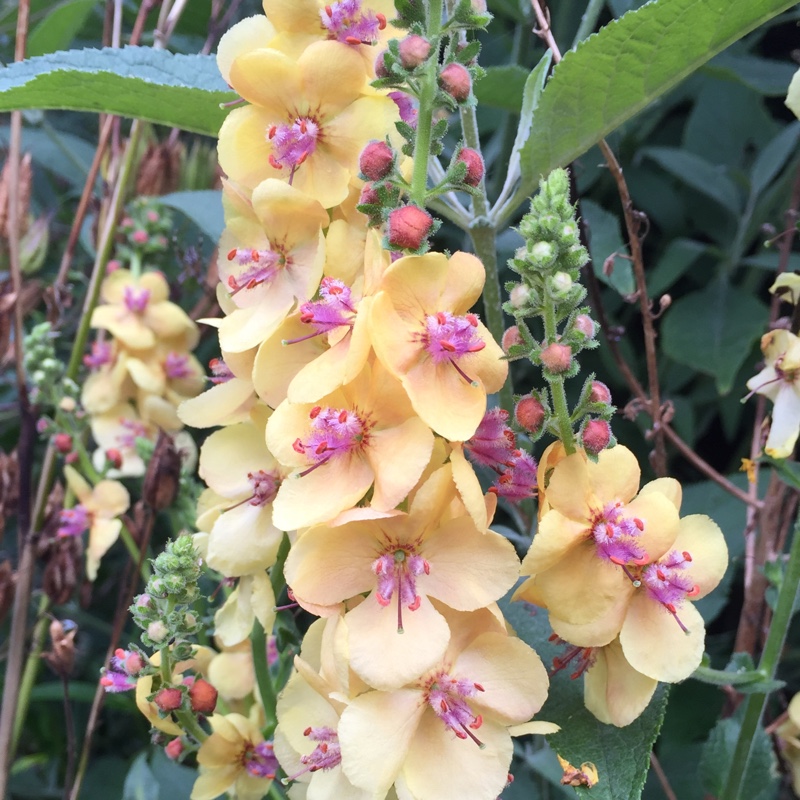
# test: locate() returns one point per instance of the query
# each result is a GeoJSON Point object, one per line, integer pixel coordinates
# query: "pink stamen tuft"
{"type": "Point", "coordinates": [397, 571]}
{"type": "Point", "coordinates": [293, 143]}
{"type": "Point", "coordinates": [494, 443]}
{"type": "Point", "coordinates": [347, 23]}
{"type": "Point", "coordinates": [261, 761]}
{"type": "Point", "coordinates": [220, 371]}
{"type": "Point", "coordinates": [334, 432]}
{"type": "Point", "coordinates": [176, 366]}
{"type": "Point", "coordinates": [616, 536]}
{"type": "Point", "coordinates": [73, 521]}
{"type": "Point", "coordinates": [447, 696]}
{"type": "Point", "coordinates": [668, 584]}
{"type": "Point", "coordinates": [260, 267]}
{"type": "Point", "coordinates": [334, 309]}
{"type": "Point", "coordinates": [136, 300]}
{"type": "Point", "coordinates": [100, 355]}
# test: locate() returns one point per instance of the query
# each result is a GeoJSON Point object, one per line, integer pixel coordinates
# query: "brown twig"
{"type": "Point", "coordinates": [632, 224]}
{"type": "Point", "coordinates": [69, 723]}
{"type": "Point", "coordinates": [662, 777]}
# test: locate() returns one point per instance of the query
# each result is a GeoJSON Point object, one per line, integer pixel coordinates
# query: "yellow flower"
{"type": "Point", "coordinates": [363, 435]}
{"type": "Point", "coordinates": [788, 734]}
{"type": "Point", "coordinates": [307, 124]}
{"type": "Point", "coordinates": [780, 382]}
{"type": "Point", "coordinates": [403, 561]}
{"type": "Point", "coordinates": [97, 511]}
{"type": "Point", "coordinates": [234, 759]}
{"type": "Point", "coordinates": [139, 314]}
{"type": "Point", "coordinates": [448, 733]}
{"type": "Point", "coordinates": [444, 356]}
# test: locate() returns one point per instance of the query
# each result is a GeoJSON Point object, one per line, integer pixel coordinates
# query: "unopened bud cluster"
{"type": "Point", "coordinates": [145, 229]}
{"type": "Point", "coordinates": [549, 268]}
{"type": "Point", "coordinates": [45, 369]}
{"type": "Point", "coordinates": [163, 611]}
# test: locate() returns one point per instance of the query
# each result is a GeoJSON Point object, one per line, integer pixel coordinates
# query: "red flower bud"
{"type": "Point", "coordinates": [63, 443]}
{"type": "Point", "coordinates": [376, 161]}
{"type": "Point", "coordinates": [114, 457]}
{"type": "Point", "coordinates": [203, 697]}
{"type": "Point", "coordinates": [380, 65]}
{"type": "Point", "coordinates": [600, 393]}
{"type": "Point", "coordinates": [140, 237]}
{"type": "Point", "coordinates": [511, 337]}
{"type": "Point", "coordinates": [409, 226]}
{"type": "Point", "coordinates": [529, 413]}
{"type": "Point", "coordinates": [174, 749]}
{"type": "Point", "coordinates": [414, 50]}
{"type": "Point", "coordinates": [369, 195]}
{"type": "Point", "coordinates": [585, 325]}
{"type": "Point", "coordinates": [595, 436]}
{"type": "Point", "coordinates": [456, 81]}
{"type": "Point", "coordinates": [474, 162]}
{"type": "Point", "coordinates": [557, 357]}
{"type": "Point", "coordinates": [169, 698]}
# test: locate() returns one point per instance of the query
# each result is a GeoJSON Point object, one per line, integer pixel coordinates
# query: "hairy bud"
{"type": "Point", "coordinates": [409, 227]}
{"type": "Point", "coordinates": [557, 357]}
{"type": "Point", "coordinates": [529, 413]}
{"type": "Point", "coordinates": [414, 50]}
{"type": "Point", "coordinates": [456, 81]}
{"type": "Point", "coordinates": [376, 161]}
{"type": "Point", "coordinates": [595, 436]}
{"type": "Point", "coordinates": [475, 168]}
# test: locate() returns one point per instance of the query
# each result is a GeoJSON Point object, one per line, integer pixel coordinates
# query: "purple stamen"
{"type": "Point", "coordinates": [261, 761]}
{"type": "Point", "coordinates": [447, 697]}
{"type": "Point", "coordinates": [220, 371]}
{"type": "Point", "coordinates": [334, 308]}
{"type": "Point", "coordinates": [347, 23]}
{"type": "Point", "coordinates": [73, 521]}
{"type": "Point", "coordinates": [293, 144]}
{"type": "Point", "coordinates": [494, 442]}
{"type": "Point", "coordinates": [261, 266]}
{"type": "Point", "coordinates": [616, 536]}
{"type": "Point", "coordinates": [100, 355]}
{"type": "Point", "coordinates": [667, 583]}
{"type": "Point", "coordinates": [136, 300]}
{"type": "Point", "coordinates": [326, 755]}
{"type": "Point", "coordinates": [397, 572]}
{"type": "Point", "coordinates": [176, 366]}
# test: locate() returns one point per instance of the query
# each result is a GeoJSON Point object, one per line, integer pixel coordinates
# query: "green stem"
{"type": "Point", "coordinates": [31, 670]}
{"type": "Point", "coordinates": [266, 687]}
{"type": "Point", "coordinates": [189, 723]}
{"type": "Point", "coordinates": [767, 666]}
{"type": "Point", "coordinates": [588, 20]}
{"type": "Point", "coordinates": [133, 549]}
{"type": "Point", "coordinates": [427, 95]}
{"type": "Point", "coordinates": [557, 391]}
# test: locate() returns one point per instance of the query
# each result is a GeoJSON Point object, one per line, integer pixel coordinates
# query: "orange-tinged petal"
{"type": "Point", "coordinates": [661, 521]}
{"type": "Point", "coordinates": [375, 732]}
{"type": "Point", "coordinates": [464, 282]}
{"type": "Point", "coordinates": [511, 673]}
{"type": "Point", "coordinates": [294, 16]}
{"type": "Point", "coordinates": [214, 782]}
{"type": "Point", "coordinates": [669, 487]}
{"type": "Point", "coordinates": [328, 565]}
{"type": "Point", "coordinates": [275, 97]}
{"type": "Point", "coordinates": [469, 487]}
{"type": "Point", "coordinates": [469, 568]}
{"type": "Point", "coordinates": [252, 599]}
{"type": "Point", "coordinates": [391, 337]}
{"type": "Point", "coordinates": [332, 78]}
{"type": "Point", "coordinates": [599, 631]}
{"type": "Point", "coordinates": [222, 404]}
{"type": "Point", "coordinates": [569, 490]}
{"type": "Point", "coordinates": [102, 534]}
{"type": "Point", "coordinates": [78, 484]}
{"type": "Point", "coordinates": [702, 538]}
{"type": "Point", "coordinates": [398, 456]}
{"type": "Point", "coordinates": [246, 328]}
{"type": "Point", "coordinates": [655, 644]}
{"type": "Point", "coordinates": [248, 34]}
{"type": "Point", "coordinates": [324, 177]}
{"type": "Point", "coordinates": [241, 445]}
{"type": "Point", "coordinates": [556, 537]}
{"type": "Point", "coordinates": [386, 658]}
{"type": "Point", "coordinates": [440, 766]}
{"type": "Point", "coordinates": [615, 476]}
{"type": "Point", "coordinates": [243, 540]}
{"type": "Point", "coordinates": [109, 499]}
{"type": "Point", "coordinates": [243, 148]}
{"type": "Point", "coordinates": [287, 215]}
{"type": "Point", "coordinates": [613, 690]}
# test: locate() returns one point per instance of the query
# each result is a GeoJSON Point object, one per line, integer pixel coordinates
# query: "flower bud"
{"type": "Point", "coordinates": [380, 65]}
{"type": "Point", "coordinates": [113, 265]}
{"type": "Point", "coordinates": [369, 195]}
{"type": "Point", "coordinates": [157, 631]}
{"type": "Point", "coordinates": [168, 699]}
{"type": "Point", "coordinates": [600, 393]}
{"type": "Point", "coordinates": [475, 167]}
{"type": "Point", "coordinates": [409, 227]}
{"type": "Point", "coordinates": [542, 251]}
{"type": "Point", "coordinates": [63, 443]}
{"type": "Point", "coordinates": [456, 81]}
{"type": "Point", "coordinates": [42, 425]}
{"type": "Point", "coordinates": [585, 324]}
{"type": "Point", "coordinates": [376, 161]}
{"type": "Point", "coordinates": [560, 284]}
{"type": "Point", "coordinates": [557, 357]}
{"type": "Point", "coordinates": [203, 697]}
{"type": "Point", "coordinates": [114, 457]}
{"type": "Point", "coordinates": [529, 413]}
{"type": "Point", "coordinates": [511, 337]}
{"type": "Point", "coordinates": [67, 404]}
{"type": "Point", "coordinates": [133, 662]}
{"type": "Point", "coordinates": [414, 50]}
{"type": "Point", "coordinates": [71, 458]}
{"type": "Point", "coordinates": [520, 296]}
{"type": "Point", "coordinates": [140, 237]}
{"type": "Point", "coordinates": [174, 749]}
{"type": "Point", "coordinates": [595, 436]}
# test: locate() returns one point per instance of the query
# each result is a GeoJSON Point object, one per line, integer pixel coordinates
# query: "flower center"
{"type": "Point", "coordinates": [177, 366]}
{"type": "Point", "coordinates": [519, 480]}
{"type": "Point", "coordinates": [334, 308]}
{"type": "Point", "coordinates": [259, 267]}
{"type": "Point", "coordinates": [448, 338]}
{"type": "Point", "coordinates": [265, 487]}
{"type": "Point", "coordinates": [73, 521]}
{"type": "Point", "coordinates": [667, 583]}
{"type": "Point", "coordinates": [136, 300]}
{"type": "Point", "coordinates": [260, 761]}
{"type": "Point", "coordinates": [293, 143]}
{"type": "Point", "coordinates": [616, 537]}
{"type": "Point", "coordinates": [326, 755]}
{"type": "Point", "coordinates": [447, 697]}
{"type": "Point", "coordinates": [494, 442]}
{"type": "Point", "coordinates": [334, 432]}
{"type": "Point", "coordinates": [347, 23]}
{"type": "Point", "coordinates": [220, 371]}
{"type": "Point", "coordinates": [100, 355]}
{"type": "Point", "coordinates": [134, 430]}
{"type": "Point", "coordinates": [397, 571]}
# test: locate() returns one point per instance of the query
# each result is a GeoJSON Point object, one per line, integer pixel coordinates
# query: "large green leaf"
{"type": "Point", "coordinates": [176, 90]}
{"type": "Point", "coordinates": [617, 72]}
{"type": "Point", "coordinates": [62, 24]}
{"type": "Point", "coordinates": [502, 87]}
{"type": "Point", "coordinates": [621, 755]}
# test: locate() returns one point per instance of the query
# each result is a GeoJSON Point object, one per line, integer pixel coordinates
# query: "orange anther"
{"type": "Point", "coordinates": [476, 347]}
{"type": "Point", "coordinates": [381, 21]}
{"type": "Point", "coordinates": [416, 604]}
{"type": "Point", "coordinates": [314, 413]}
{"type": "Point", "coordinates": [272, 131]}
{"type": "Point", "coordinates": [298, 446]}
{"type": "Point", "coordinates": [694, 591]}
{"type": "Point", "coordinates": [687, 556]}
{"type": "Point", "coordinates": [449, 346]}
{"type": "Point", "coordinates": [274, 163]}
{"type": "Point", "coordinates": [472, 319]}
{"type": "Point", "coordinates": [441, 317]}
{"type": "Point", "coordinates": [638, 523]}
{"type": "Point", "coordinates": [479, 687]}
{"type": "Point", "coordinates": [232, 254]}
{"type": "Point", "coordinates": [476, 723]}
{"type": "Point", "coordinates": [353, 40]}
{"type": "Point", "coordinates": [321, 448]}
{"type": "Point", "coordinates": [342, 416]}
{"type": "Point", "coordinates": [307, 731]}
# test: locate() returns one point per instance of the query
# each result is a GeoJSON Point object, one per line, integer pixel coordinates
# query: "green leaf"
{"type": "Point", "coordinates": [761, 775]}
{"type": "Point", "coordinates": [708, 179]}
{"type": "Point", "coordinates": [176, 90]}
{"type": "Point", "coordinates": [632, 61]}
{"type": "Point", "coordinates": [204, 208]}
{"type": "Point", "coordinates": [679, 257]}
{"type": "Point", "coordinates": [140, 783]}
{"type": "Point", "coordinates": [713, 330]}
{"type": "Point", "coordinates": [605, 239]}
{"type": "Point", "coordinates": [772, 158]}
{"type": "Point", "coordinates": [502, 87]}
{"type": "Point", "coordinates": [61, 25]}
{"type": "Point", "coordinates": [765, 75]}
{"type": "Point", "coordinates": [621, 755]}
{"type": "Point", "coordinates": [788, 471]}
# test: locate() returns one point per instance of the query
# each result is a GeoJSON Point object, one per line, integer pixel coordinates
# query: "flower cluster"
{"type": "Point", "coordinates": [351, 383]}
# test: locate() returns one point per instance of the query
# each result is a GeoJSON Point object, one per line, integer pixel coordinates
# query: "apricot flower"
{"type": "Point", "coordinates": [97, 511]}
{"type": "Point", "coordinates": [780, 382]}
{"type": "Point", "coordinates": [446, 734]}
{"type": "Point", "coordinates": [423, 333]}
{"type": "Point", "coordinates": [308, 122]}
{"type": "Point", "coordinates": [402, 561]}
{"type": "Point", "coordinates": [362, 435]}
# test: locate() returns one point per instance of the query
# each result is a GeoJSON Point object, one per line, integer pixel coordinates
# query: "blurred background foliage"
{"type": "Point", "coordinates": [713, 165]}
